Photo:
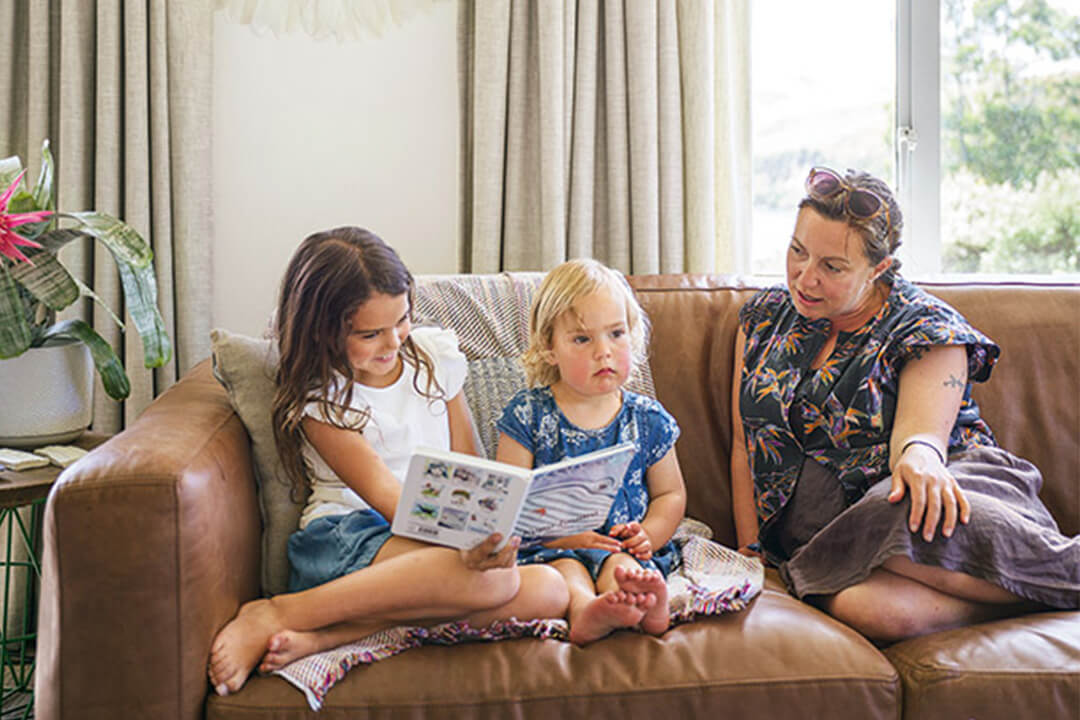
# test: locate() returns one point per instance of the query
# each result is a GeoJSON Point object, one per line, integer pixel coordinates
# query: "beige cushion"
{"type": "Point", "coordinates": [246, 367]}
{"type": "Point", "coordinates": [490, 314]}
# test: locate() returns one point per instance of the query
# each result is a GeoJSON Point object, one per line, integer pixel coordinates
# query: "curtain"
{"type": "Point", "coordinates": [121, 88]}
{"type": "Point", "coordinates": [616, 129]}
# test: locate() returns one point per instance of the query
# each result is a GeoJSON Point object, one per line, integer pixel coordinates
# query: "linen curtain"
{"type": "Point", "coordinates": [617, 129]}
{"type": "Point", "coordinates": [121, 88]}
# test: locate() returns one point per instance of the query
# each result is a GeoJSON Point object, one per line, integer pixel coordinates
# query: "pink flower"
{"type": "Point", "coordinates": [9, 239]}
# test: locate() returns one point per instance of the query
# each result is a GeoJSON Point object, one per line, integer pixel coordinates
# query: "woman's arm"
{"type": "Point", "coordinates": [357, 464]}
{"type": "Point", "coordinates": [931, 388]}
{"type": "Point", "coordinates": [743, 506]}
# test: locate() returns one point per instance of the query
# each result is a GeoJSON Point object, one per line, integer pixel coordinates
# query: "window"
{"type": "Point", "coordinates": [968, 108]}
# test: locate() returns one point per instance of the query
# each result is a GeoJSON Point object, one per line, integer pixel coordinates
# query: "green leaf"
{"type": "Point", "coordinates": [134, 260]}
{"type": "Point", "coordinates": [140, 296]}
{"type": "Point", "coordinates": [10, 167]}
{"type": "Point", "coordinates": [87, 292]}
{"type": "Point", "coordinates": [44, 192]}
{"type": "Point", "coordinates": [47, 280]}
{"type": "Point", "coordinates": [56, 239]}
{"type": "Point", "coordinates": [14, 329]}
{"type": "Point", "coordinates": [113, 377]}
{"type": "Point", "coordinates": [126, 245]}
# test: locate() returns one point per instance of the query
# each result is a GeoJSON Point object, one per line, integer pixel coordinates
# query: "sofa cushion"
{"type": "Point", "coordinates": [491, 316]}
{"type": "Point", "coordinates": [778, 658]}
{"type": "Point", "coordinates": [992, 670]}
{"type": "Point", "coordinates": [246, 367]}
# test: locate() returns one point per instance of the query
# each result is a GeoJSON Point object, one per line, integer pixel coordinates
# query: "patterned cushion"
{"type": "Point", "coordinates": [488, 388]}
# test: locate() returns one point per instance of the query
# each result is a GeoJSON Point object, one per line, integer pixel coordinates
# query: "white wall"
{"type": "Point", "coordinates": [311, 134]}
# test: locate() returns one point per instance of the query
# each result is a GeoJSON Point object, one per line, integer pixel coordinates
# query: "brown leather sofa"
{"type": "Point", "coordinates": [152, 542]}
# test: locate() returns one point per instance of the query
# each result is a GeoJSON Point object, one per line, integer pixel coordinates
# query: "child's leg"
{"type": "Point", "coordinates": [543, 594]}
{"type": "Point", "coordinates": [420, 582]}
{"type": "Point", "coordinates": [624, 572]}
{"type": "Point", "coordinates": [592, 617]}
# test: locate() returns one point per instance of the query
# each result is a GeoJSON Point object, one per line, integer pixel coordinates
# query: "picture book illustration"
{"type": "Point", "coordinates": [458, 500]}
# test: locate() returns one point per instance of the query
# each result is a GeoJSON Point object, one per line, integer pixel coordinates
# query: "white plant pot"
{"type": "Point", "coordinates": [46, 395]}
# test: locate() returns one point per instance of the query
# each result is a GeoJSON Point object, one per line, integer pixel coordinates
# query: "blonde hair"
{"type": "Point", "coordinates": [561, 288]}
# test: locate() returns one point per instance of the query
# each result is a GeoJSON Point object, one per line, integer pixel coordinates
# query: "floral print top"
{"type": "Point", "coordinates": [533, 419]}
{"type": "Point", "coordinates": [841, 414]}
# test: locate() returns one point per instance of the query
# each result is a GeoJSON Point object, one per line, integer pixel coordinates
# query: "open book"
{"type": "Point", "coordinates": [458, 500]}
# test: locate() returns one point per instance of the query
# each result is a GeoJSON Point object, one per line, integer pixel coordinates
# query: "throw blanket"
{"type": "Point", "coordinates": [712, 579]}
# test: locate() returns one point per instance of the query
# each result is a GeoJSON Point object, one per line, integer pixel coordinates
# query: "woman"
{"type": "Point", "coordinates": [861, 466]}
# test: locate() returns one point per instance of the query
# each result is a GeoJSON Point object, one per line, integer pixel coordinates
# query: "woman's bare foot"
{"type": "Point", "coordinates": [240, 645]}
{"type": "Point", "coordinates": [639, 580]}
{"type": "Point", "coordinates": [608, 612]}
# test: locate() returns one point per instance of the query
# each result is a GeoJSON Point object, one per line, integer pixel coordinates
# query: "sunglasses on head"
{"type": "Point", "coordinates": [823, 184]}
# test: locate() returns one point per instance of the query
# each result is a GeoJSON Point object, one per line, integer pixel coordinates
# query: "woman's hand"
{"type": "Point", "coordinates": [483, 556]}
{"type": "Point", "coordinates": [934, 492]}
{"type": "Point", "coordinates": [588, 540]}
{"type": "Point", "coordinates": [634, 539]}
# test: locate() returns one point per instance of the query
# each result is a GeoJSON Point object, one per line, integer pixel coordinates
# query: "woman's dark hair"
{"type": "Point", "coordinates": [329, 277]}
{"type": "Point", "coordinates": [880, 235]}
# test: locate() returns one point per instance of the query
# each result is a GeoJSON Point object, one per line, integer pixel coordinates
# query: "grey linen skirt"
{"type": "Point", "coordinates": [1011, 540]}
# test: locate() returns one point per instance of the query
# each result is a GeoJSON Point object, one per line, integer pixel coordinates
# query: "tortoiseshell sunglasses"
{"type": "Point", "coordinates": [864, 205]}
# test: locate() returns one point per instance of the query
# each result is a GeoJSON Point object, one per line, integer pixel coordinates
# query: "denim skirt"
{"type": "Point", "coordinates": [333, 546]}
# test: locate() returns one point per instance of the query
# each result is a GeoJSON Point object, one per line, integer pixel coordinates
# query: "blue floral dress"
{"type": "Point", "coordinates": [533, 419]}
{"type": "Point", "coordinates": [821, 437]}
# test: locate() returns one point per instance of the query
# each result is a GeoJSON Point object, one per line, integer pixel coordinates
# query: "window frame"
{"type": "Point", "coordinates": [917, 145]}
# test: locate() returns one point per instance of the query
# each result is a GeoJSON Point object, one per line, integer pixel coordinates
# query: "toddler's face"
{"type": "Point", "coordinates": [374, 336]}
{"type": "Point", "coordinates": [591, 345]}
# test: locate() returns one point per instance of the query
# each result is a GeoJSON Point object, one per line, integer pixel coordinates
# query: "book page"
{"type": "Point", "coordinates": [458, 500]}
{"type": "Point", "coordinates": [572, 496]}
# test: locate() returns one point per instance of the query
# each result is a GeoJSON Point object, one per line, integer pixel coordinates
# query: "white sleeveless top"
{"type": "Point", "coordinates": [400, 420]}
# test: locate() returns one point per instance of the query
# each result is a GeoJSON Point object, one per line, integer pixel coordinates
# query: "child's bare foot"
{"type": "Point", "coordinates": [289, 645]}
{"type": "Point", "coordinates": [286, 646]}
{"type": "Point", "coordinates": [608, 612]}
{"type": "Point", "coordinates": [640, 580]}
{"type": "Point", "coordinates": [236, 650]}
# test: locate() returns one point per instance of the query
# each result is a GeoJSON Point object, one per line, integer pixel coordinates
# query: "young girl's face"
{"type": "Point", "coordinates": [591, 345]}
{"type": "Point", "coordinates": [373, 338]}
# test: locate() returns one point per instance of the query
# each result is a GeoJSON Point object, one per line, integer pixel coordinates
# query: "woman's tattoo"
{"type": "Point", "coordinates": [953, 381]}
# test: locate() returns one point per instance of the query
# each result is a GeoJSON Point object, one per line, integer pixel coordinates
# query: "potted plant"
{"type": "Point", "coordinates": [34, 284]}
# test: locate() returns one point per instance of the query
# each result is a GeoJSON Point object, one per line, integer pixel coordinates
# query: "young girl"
{"type": "Point", "coordinates": [585, 329]}
{"type": "Point", "coordinates": [358, 389]}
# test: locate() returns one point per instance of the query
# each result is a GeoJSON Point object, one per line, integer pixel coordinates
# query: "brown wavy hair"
{"type": "Point", "coordinates": [329, 277]}
{"type": "Point", "coordinates": [880, 237]}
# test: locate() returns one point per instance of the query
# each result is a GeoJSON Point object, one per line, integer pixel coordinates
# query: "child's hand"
{"type": "Point", "coordinates": [483, 556]}
{"type": "Point", "coordinates": [634, 539]}
{"type": "Point", "coordinates": [591, 540]}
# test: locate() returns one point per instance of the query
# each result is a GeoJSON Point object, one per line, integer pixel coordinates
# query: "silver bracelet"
{"type": "Point", "coordinates": [930, 445]}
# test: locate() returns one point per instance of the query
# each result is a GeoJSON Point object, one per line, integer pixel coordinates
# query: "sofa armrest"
{"type": "Point", "coordinates": [150, 543]}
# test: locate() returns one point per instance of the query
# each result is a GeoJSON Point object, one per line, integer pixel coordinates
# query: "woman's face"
{"type": "Point", "coordinates": [828, 274]}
